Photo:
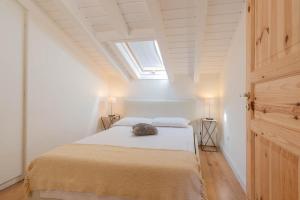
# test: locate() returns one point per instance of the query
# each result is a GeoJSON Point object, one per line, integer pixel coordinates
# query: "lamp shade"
{"type": "Point", "coordinates": [209, 104]}
{"type": "Point", "coordinates": [112, 99]}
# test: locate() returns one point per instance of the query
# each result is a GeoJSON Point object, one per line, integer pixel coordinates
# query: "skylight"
{"type": "Point", "coordinates": [144, 58]}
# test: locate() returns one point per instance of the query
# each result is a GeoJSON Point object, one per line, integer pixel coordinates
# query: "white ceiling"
{"type": "Point", "coordinates": [221, 22]}
{"type": "Point", "coordinates": [193, 35]}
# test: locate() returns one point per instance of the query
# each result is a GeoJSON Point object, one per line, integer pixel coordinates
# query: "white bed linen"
{"type": "Point", "coordinates": [167, 138]}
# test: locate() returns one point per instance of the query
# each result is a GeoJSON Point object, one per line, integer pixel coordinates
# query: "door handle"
{"type": "Point", "coordinates": [250, 104]}
{"type": "Point", "coordinates": [246, 95]}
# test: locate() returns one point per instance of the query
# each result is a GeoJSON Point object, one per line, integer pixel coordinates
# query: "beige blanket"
{"type": "Point", "coordinates": [130, 173]}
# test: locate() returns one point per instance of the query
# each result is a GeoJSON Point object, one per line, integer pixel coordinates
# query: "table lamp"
{"type": "Point", "coordinates": [209, 102]}
{"type": "Point", "coordinates": [111, 100]}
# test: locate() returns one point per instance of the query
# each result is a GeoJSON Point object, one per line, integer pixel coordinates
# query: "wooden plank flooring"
{"type": "Point", "coordinates": [220, 181]}
{"type": "Point", "coordinates": [15, 192]}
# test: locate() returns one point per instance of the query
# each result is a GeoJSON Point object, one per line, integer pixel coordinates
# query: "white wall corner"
{"type": "Point", "coordinates": [233, 168]}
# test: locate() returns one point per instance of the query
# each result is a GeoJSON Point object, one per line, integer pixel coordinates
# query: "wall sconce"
{"type": "Point", "coordinates": [111, 100]}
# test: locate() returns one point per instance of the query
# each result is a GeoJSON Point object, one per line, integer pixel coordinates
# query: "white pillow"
{"type": "Point", "coordinates": [131, 121]}
{"type": "Point", "coordinates": [171, 122]}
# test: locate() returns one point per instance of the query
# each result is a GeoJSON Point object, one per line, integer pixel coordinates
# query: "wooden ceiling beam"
{"type": "Point", "coordinates": [135, 34]}
{"type": "Point", "coordinates": [76, 16]}
{"type": "Point", "coordinates": [116, 17]}
{"type": "Point", "coordinates": [201, 14]}
{"type": "Point", "coordinates": [154, 9]}
{"type": "Point", "coordinates": [74, 12]}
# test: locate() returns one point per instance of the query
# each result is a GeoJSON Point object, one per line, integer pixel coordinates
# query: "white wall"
{"type": "Point", "coordinates": [63, 93]}
{"type": "Point", "coordinates": [160, 89]}
{"type": "Point", "coordinates": [63, 89]}
{"type": "Point", "coordinates": [233, 114]}
{"type": "Point", "coordinates": [181, 88]}
{"type": "Point", "coordinates": [11, 96]}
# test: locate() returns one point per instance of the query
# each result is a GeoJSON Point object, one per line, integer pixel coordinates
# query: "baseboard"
{"type": "Point", "coordinates": [229, 161]}
{"type": "Point", "coordinates": [11, 182]}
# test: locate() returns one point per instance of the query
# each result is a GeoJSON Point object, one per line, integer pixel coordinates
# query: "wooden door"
{"type": "Point", "coordinates": [273, 82]}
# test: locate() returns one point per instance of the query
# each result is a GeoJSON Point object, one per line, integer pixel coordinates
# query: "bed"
{"type": "Point", "coordinates": [139, 161]}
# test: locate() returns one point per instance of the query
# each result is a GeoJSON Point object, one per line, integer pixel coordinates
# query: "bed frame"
{"type": "Point", "coordinates": [152, 108]}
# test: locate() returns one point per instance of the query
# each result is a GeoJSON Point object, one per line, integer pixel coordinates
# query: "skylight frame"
{"type": "Point", "coordinates": [158, 54]}
{"type": "Point", "coordinates": [140, 71]}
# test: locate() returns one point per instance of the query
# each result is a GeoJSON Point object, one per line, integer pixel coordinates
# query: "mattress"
{"type": "Point", "coordinates": [167, 138]}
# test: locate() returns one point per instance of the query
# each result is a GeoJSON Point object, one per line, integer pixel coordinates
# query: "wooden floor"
{"type": "Point", "coordinates": [15, 192]}
{"type": "Point", "coordinates": [220, 181]}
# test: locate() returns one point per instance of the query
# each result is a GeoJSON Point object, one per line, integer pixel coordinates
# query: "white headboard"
{"type": "Point", "coordinates": [160, 108]}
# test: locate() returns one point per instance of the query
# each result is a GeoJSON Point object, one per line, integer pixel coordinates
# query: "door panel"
{"type": "Point", "coordinates": [277, 30]}
{"type": "Point", "coordinates": [273, 80]}
{"type": "Point", "coordinates": [261, 167]}
{"type": "Point", "coordinates": [276, 101]}
{"type": "Point", "coordinates": [285, 166]}
{"type": "Point", "coordinates": [282, 91]}
{"type": "Point", "coordinates": [276, 170]}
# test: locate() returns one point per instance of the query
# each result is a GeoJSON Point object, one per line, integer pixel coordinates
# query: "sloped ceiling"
{"type": "Point", "coordinates": [222, 20]}
{"type": "Point", "coordinates": [193, 35]}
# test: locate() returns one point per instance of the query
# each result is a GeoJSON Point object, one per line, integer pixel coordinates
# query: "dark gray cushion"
{"type": "Point", "coordinates": [142, 129]}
